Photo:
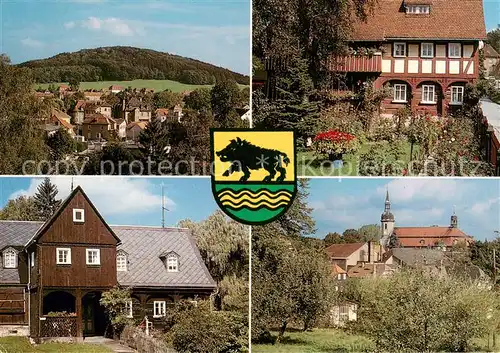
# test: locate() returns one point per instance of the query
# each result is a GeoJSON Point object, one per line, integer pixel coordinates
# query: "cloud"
{"type": "Point", "coordinates": [403, 190]}
{"type": "Point", "coordinates": [111, 25]}
{"type": "Point", "coordinates": [33, 43]}
{"type": "Point", "coordinates": [111, 196]}
{"type": "Point", "coordinates": [479, 208]}
{"type": "Point", "coordinates": [69, 25]}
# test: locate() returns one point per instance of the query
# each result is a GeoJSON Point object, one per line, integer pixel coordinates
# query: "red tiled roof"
{"type": "Point", "coordinates": [97, 119]}
{"type": "Point", "coordinates": [429, 236]}
{"type": "Point", "coordinates": [490, 52]}
{"type": "Point", "coordinates": [336, 270]}
{"type": "Point", "coordinates": [62, 118]}
{"type": "Point", "coordinates": [80, 105]}
{"type": "Point", "coordinates": [115, 87]}
{"type": "Point", "coordinates": [161, 111]}
{"type": "Point", "coordinates": [448, 19]}
{"type": "Point", "coordinates": [342, 251]}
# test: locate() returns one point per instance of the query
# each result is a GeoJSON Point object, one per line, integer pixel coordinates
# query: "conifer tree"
{"type": "Point", "coordinates": [154, 141]}
{"type": "Point", "coordinates": [46, 202]}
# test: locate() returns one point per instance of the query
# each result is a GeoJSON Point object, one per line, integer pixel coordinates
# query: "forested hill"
{"type": "Point", "coordinates": [127, 63]}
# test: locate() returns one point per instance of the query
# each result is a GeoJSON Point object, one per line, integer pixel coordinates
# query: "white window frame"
{"type": "Point", "coordinates": [430, 89]}
{"type": "Point", "coordinates": [174, 268]}
{"type": "Point", "coordinates": [75, 212]}
{"type": "Point", "coordinates": [455, 45]}
{"type": "Point", "coordinates": [395, 99]}
{"type": "Point", "coordinates": [32, 259]}
{"type": "Point", "coordinates": [88, 251]}
{"type": "Point", "coordinates": [427, 45]}
{"type": "Point", "coordinates": [399, 55]}
{"type": "Point", "coordinates": [418, 9]}
{"type": "Point", "coordinates": [162, 308]}
{"type": "Point", "coordinates": [11, 255]}
{"type": "Point", "coordinates": [68, 257]}
{"type": "Point", "coordinates": [129, 309]}
{"type": "Point", "coordinates": [124, 267]}
{"type": "Point", "coordinates": [459, 92]}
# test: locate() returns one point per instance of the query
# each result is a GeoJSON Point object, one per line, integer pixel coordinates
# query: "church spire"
{"type": "Point", "coordinates": [454, 219]}
{"type": "Point", "coordinates": [387, 201]}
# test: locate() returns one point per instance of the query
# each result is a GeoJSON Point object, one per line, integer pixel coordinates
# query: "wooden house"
{"type": "Point", "coordinates": [53, 273]}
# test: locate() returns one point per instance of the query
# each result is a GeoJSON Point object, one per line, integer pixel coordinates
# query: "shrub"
{"type": "Point", "coordinates": [383, 159]}
{"type": "Point", "coordinates": [202, 330]}
{"type": "Point", "coordinates": [114, 302]}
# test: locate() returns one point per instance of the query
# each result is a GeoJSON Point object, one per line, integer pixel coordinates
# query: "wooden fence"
{"type": "Point", "coordinates": [58, 326]}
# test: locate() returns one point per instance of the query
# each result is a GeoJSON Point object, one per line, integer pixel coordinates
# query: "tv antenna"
{"type": "Point", "coordinates": [163, 207]}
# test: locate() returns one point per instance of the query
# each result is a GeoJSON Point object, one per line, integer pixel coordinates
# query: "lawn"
{"type": "Point", "coordinates": [157, 85]}
{"type": "Point", "coordinates": [308, 163]}
{"type": "Point", "coordinates": [22, 345]}
{"type": "Point", "coordinates": [317, 341]}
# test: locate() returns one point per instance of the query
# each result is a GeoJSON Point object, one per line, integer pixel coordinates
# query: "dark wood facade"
{"type": "Point", "coordinates": [68, 287]}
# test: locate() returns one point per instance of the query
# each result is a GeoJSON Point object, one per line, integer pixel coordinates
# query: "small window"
{"type": "Point", "coordinates": [428, 94]}
{"type": "Point", "coordinates": [121, 262]}
{"type": "Point", "coordinates": [400, 93]}
{"type": "Point", "coordinates": [93, 257]}
{"type": "Point", "coordinates": [128, 309]}
{"type": "Point", "coordinates": [457, 95]}
{"type": "Point", "coordinates": [159, 308]}
{"type": "Point", "coordinates": [427, 50]}
{"type": "Point", "coordinates": [10, 258]}
{"type": "Point", "coordinates": [399, 50]}
{"type": "Point", "coordinates": [63, 256]}
{"type": "Point", "coordinates": [339, 276]}
{"type": "Point", "coordinates": [418, 9]}
{"type": "Point", "coordinates": [32, 259]}
{"type": "Point", "coordinates": [78, 215]}
{"type": "Point", "coordinates": [172, 263]}
{"type": "Point", "coordinates": [454, 50]}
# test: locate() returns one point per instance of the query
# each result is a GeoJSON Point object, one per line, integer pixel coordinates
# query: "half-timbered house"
{"type": "Point", "coordinates": [53, 273]}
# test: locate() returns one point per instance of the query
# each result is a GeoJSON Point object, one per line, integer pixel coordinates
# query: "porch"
{"type": "Point", "coordinates": [69, 315]}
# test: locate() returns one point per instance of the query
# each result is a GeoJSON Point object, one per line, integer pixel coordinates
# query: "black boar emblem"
{"type": "Point", "coordinates": [245, 156]}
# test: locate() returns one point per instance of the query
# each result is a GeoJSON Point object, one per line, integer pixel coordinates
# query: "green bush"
{"type": "Point", "coordinates": [383, 159]}
{"type": "Point", "coordinates": [201, 330]}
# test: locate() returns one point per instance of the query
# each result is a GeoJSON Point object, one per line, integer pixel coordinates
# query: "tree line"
{"type": "Point", "coordinates": [127, 63]}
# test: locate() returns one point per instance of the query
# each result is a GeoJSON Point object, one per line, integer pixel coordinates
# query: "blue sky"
{"type": "Point", "coordinates": [215, 31]}
{"type": "Point", "coordinates": [129, 201]}
{"type": "Point", "coordinates": [492, 14]}
{"type": "Point", "coordinates": [340, 204]}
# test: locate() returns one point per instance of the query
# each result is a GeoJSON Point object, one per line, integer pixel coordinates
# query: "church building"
{"type": "Point", "coordinates": [420, 237]}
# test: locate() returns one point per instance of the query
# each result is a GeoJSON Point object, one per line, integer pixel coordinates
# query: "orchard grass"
{"type": "Point", "coordinates": [22, 345]}
{"type": "Point", "coordinates": [308, 163]}
{"type": "Point", "coordinates": [317, 341]}
{"type": "Point", "coordinates": [157, 85]}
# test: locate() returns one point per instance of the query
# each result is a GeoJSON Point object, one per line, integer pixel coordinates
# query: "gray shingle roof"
{"type": "Point", "coordinates": [15, 234]}
{"type": "Point", "coordinates": [143, 246]}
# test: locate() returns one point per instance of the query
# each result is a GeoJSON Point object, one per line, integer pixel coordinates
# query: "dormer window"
{"type": "Point", "coordinates": [172, 263]}
{"type": "Point", "coordinates": [418, 9]}
{"type": "Point", "coordinates": [121, 261]}
{"type": "Point", "coordinates": [10, 258]}
{"type": "Point", "coordinates": [78, 215]}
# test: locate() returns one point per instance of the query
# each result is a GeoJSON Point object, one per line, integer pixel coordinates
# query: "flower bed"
{"type": "Point", "coordinates": [335, 143]}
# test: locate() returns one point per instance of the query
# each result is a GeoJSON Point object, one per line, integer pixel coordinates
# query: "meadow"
{"type": "Point", "coordinates": [157, 85]}
{"type": "Point", "coordinates": [22, 345]}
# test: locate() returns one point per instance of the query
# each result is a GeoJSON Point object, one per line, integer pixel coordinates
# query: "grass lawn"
{"type": "Point", "coordinates": [317, 341]}
{"type": "Point", "coordinates": [157, 85]}
{"type": "Point", "coordinates": [308, 163]}
{"type": "Point", "coordinates": [22, 345]}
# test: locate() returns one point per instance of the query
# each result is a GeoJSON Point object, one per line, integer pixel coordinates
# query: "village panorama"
{"type": "Point", "coordinates": [380, 265]}
{"type": "Point", "coordinates": [116, 110]}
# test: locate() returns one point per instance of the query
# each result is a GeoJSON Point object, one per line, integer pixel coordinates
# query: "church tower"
{"type": "Point", "coordinates": [454, 220]}
{"type": "Point", "coordinates": [387, 222]}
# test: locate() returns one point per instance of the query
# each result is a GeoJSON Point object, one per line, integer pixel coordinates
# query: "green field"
{"type": "Point", "coordinates": [157, 85]}
{"type": "Point", "coordinates": [22, 345]}
{"type": "Point", "coordinates": [317, 341]}
{"type": "Point", "coordinates": [308, 164]}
